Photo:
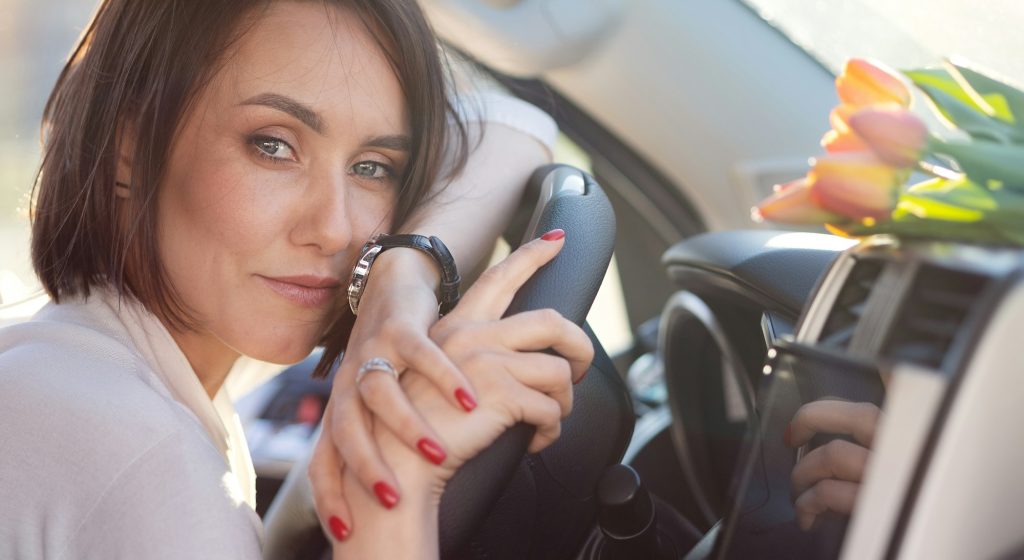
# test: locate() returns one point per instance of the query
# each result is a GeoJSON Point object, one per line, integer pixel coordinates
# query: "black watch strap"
{"type": "Point", "coordinates": [448, 294]}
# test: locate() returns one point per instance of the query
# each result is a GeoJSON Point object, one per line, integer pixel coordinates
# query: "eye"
{"type": "Point", "coordinates": [272, 148]}
{"type": "Point", "coordinates": [373, 170]}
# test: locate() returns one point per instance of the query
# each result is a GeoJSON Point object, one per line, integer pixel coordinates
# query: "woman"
{"type": "Point", "coordinates": [211, 170]}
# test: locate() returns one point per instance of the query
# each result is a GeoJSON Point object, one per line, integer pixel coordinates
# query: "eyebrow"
{"type": "Point", "coordinates": [286, 104]}
{"type": "Point", "coordinates": [397, 142]}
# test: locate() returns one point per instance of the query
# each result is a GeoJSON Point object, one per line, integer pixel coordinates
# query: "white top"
{"type": "Point", "coordinates": [498, 108]}
{"type": "Point", "coordinates": [110, 447]}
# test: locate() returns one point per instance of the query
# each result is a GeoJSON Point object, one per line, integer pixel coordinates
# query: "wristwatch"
{"type": "Point", "coordinates": [448, 294]}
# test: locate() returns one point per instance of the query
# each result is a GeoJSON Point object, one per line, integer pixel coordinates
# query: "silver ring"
{"type": "Point", "coordinates": [376, 364]}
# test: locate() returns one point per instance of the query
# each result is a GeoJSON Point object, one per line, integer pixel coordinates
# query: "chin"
{"type": "Point", "coordinates": [282, 350]}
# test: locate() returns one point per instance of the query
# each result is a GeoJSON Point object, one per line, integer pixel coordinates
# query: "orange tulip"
{"type": "Point", "coordinates": [897, 136]}
{"type": "Point", "coordinates": [836, 142]}
{"type": "Point", "coordinates": [867, 83]}
{"type": "Point", "coordinates": [792, 204]}
{"type": "Point", "coordinates": [857, 185]}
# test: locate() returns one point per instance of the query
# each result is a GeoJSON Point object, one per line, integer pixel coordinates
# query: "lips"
{"type": "Point", "coordinates": [304, 290]}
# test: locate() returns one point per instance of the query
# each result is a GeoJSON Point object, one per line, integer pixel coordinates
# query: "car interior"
{"type": "Point", "coordinates": [675, 118]}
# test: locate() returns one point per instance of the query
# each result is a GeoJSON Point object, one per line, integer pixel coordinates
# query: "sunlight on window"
{"type": "Point", "coordinates": [905, 34]}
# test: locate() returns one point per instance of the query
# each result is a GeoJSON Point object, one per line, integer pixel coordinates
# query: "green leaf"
{"type": "Point", "coordinates": [968, 118]}
{"type": "Point", "coordinates": [939, 79]}
{"type": "Point", "coordinates": [989, 164]}
{"type": "Point", "coordinates": [913, 227]}
{"type": "Point", "coordinates": [960, 191]}
{"type": "Point", "coordinates": [927, 207]}
{"type": "Point", "coordinates": [956, 209]}
{"type": "Point", "coordinates": [1007, 101]}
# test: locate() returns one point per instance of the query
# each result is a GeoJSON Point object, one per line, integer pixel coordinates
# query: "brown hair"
{"type": "Point", "coordinates": [138, 68]}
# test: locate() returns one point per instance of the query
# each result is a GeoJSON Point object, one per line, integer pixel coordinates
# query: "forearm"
{"type": "Point", "coordinates": [409, 530]}
{"type": "Point", "coordinates": [472, 211]}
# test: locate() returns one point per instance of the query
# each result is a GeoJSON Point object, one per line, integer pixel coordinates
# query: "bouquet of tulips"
{"type": "Point", "coordinates": [974, 169]}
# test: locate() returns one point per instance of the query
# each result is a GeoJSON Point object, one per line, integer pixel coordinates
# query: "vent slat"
{"type": "Point", "coordinates": [930, 318]}
{"type": "Point", "coordinates": [850, 304]}
{"type": "Point", "coordinates": [934, 328]}
{"type": "Point", "coordinates": [948, 299]}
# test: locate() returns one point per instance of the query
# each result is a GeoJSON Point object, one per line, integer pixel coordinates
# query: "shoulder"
{"type": "Point", "coordinates": [94, 446]}
{"type": "Point", "coordinates": [70, 376]}
{"type": "Point", "coordinates": [55, 371]}
{"type": "Point", "coordinates": [162, 505]}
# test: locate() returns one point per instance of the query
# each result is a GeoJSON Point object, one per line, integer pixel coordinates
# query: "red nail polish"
{"type": "Point", "coordinates": [787, 436]}
{"type": "Point", "coordinates": [553, 235]}
{"type": "Point", "coordinates": [386, 494]}
{"type": "Point", "coordinates": [431, 450]}
{"type": "Point", "coordinates": [338, 528]}
{"type": "Point", "coordinates": [467, 402]}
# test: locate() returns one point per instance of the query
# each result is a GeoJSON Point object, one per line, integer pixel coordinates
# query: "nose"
{"type": "Point", "coordinates": [325, 222]}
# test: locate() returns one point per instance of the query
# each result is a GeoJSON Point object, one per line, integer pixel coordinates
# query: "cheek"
{"type": "Point", "coordinates": [219, 210]}
{"type": "Point", "coordinates": [370, 212]}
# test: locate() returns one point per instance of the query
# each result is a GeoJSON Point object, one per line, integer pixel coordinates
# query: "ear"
{"type": "Point", "coordinates": [126, 139]}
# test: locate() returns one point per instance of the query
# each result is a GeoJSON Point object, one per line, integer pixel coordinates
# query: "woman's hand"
{"type": "Point", "coordinates": [517, 382]}
{"type": "Point", "coordinates": [828, 477]}
{"type": "Point", "coordinates": [397, 309]}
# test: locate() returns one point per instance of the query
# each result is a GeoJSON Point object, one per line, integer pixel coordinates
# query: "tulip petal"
{"type": "Point", "coordinates": [855, 185]}
{"type": "Point", "coordinates": [792, 204]}
{"type": "Point", "coordinates": [836, 142]}
{"type": "Point", "coordinates": [865, 83]}
{"type": "Point", "coordinates": [897, 136]}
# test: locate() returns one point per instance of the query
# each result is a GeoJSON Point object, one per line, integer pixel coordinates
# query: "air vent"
{"type": "Point", "coordinates": [849, 306]}
{"type": "Point", "coordinates": [932, 315]}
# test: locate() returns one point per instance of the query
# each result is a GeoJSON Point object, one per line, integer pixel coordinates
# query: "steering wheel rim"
{"type": "Point", "coordinates": [559, 196]}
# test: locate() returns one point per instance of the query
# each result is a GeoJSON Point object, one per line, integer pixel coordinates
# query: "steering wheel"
{"type": "Point", "coordinates": [503, 499]}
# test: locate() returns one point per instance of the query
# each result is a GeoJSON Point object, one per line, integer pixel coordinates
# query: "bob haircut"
{"type": "Point", "coordinates": [139, 67]}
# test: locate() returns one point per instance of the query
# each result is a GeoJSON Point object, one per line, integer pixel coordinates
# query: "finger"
{"type": "Point", "coordinates": [543, 373]}
{"type": "Point", "coordinates": [828, 495]}
{"type": "Point", "coordinates": [542, 412]}
{"type": "Point", "coordinates": [838, 459]}
{"type": "Point", "coordinates": [490, 296]}
{"type": "Point", "coordinates": [543, 329]}
{"type": "Point", "coordinates": [427, 359]}
{"type": "Point", "coordinates": [325, 470]}
{"type": "Point", "coordinates": [354, 442]}
{"type": "Point", "coordinates": [834, 417]}
{"type": "Point", "coordinates": [384, 397]}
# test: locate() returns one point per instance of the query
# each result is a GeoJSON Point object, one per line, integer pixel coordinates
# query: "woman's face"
{"type": "Point", "coordinates": [288, 162]}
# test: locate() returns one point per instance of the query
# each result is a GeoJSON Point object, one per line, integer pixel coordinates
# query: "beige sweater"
{"type": "Point", "coordinates": [110, 447]}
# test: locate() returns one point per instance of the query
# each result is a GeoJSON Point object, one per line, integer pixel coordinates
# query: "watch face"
{"type": "Point", "coordinates": [359, 274]}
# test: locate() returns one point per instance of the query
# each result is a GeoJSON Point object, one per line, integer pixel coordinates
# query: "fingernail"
{"type": "Point", "coordinates": [553, 235]}
{"type": "Point", "coordinates": [787, 436]}
{"type": "Point", "coordinates": [467, 402]}
{"type": "Point", "coordinates": [580, 380]}
{"type": "Point", "coordinates": [386, 494]}
{"type": "Point", "coordinates": [431, 450]}
{"type": "Point", "coordinates": [338, 528]}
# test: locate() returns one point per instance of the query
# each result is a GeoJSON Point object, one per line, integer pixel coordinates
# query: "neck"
{"type": "Point", "coordinates": [210, 358]}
